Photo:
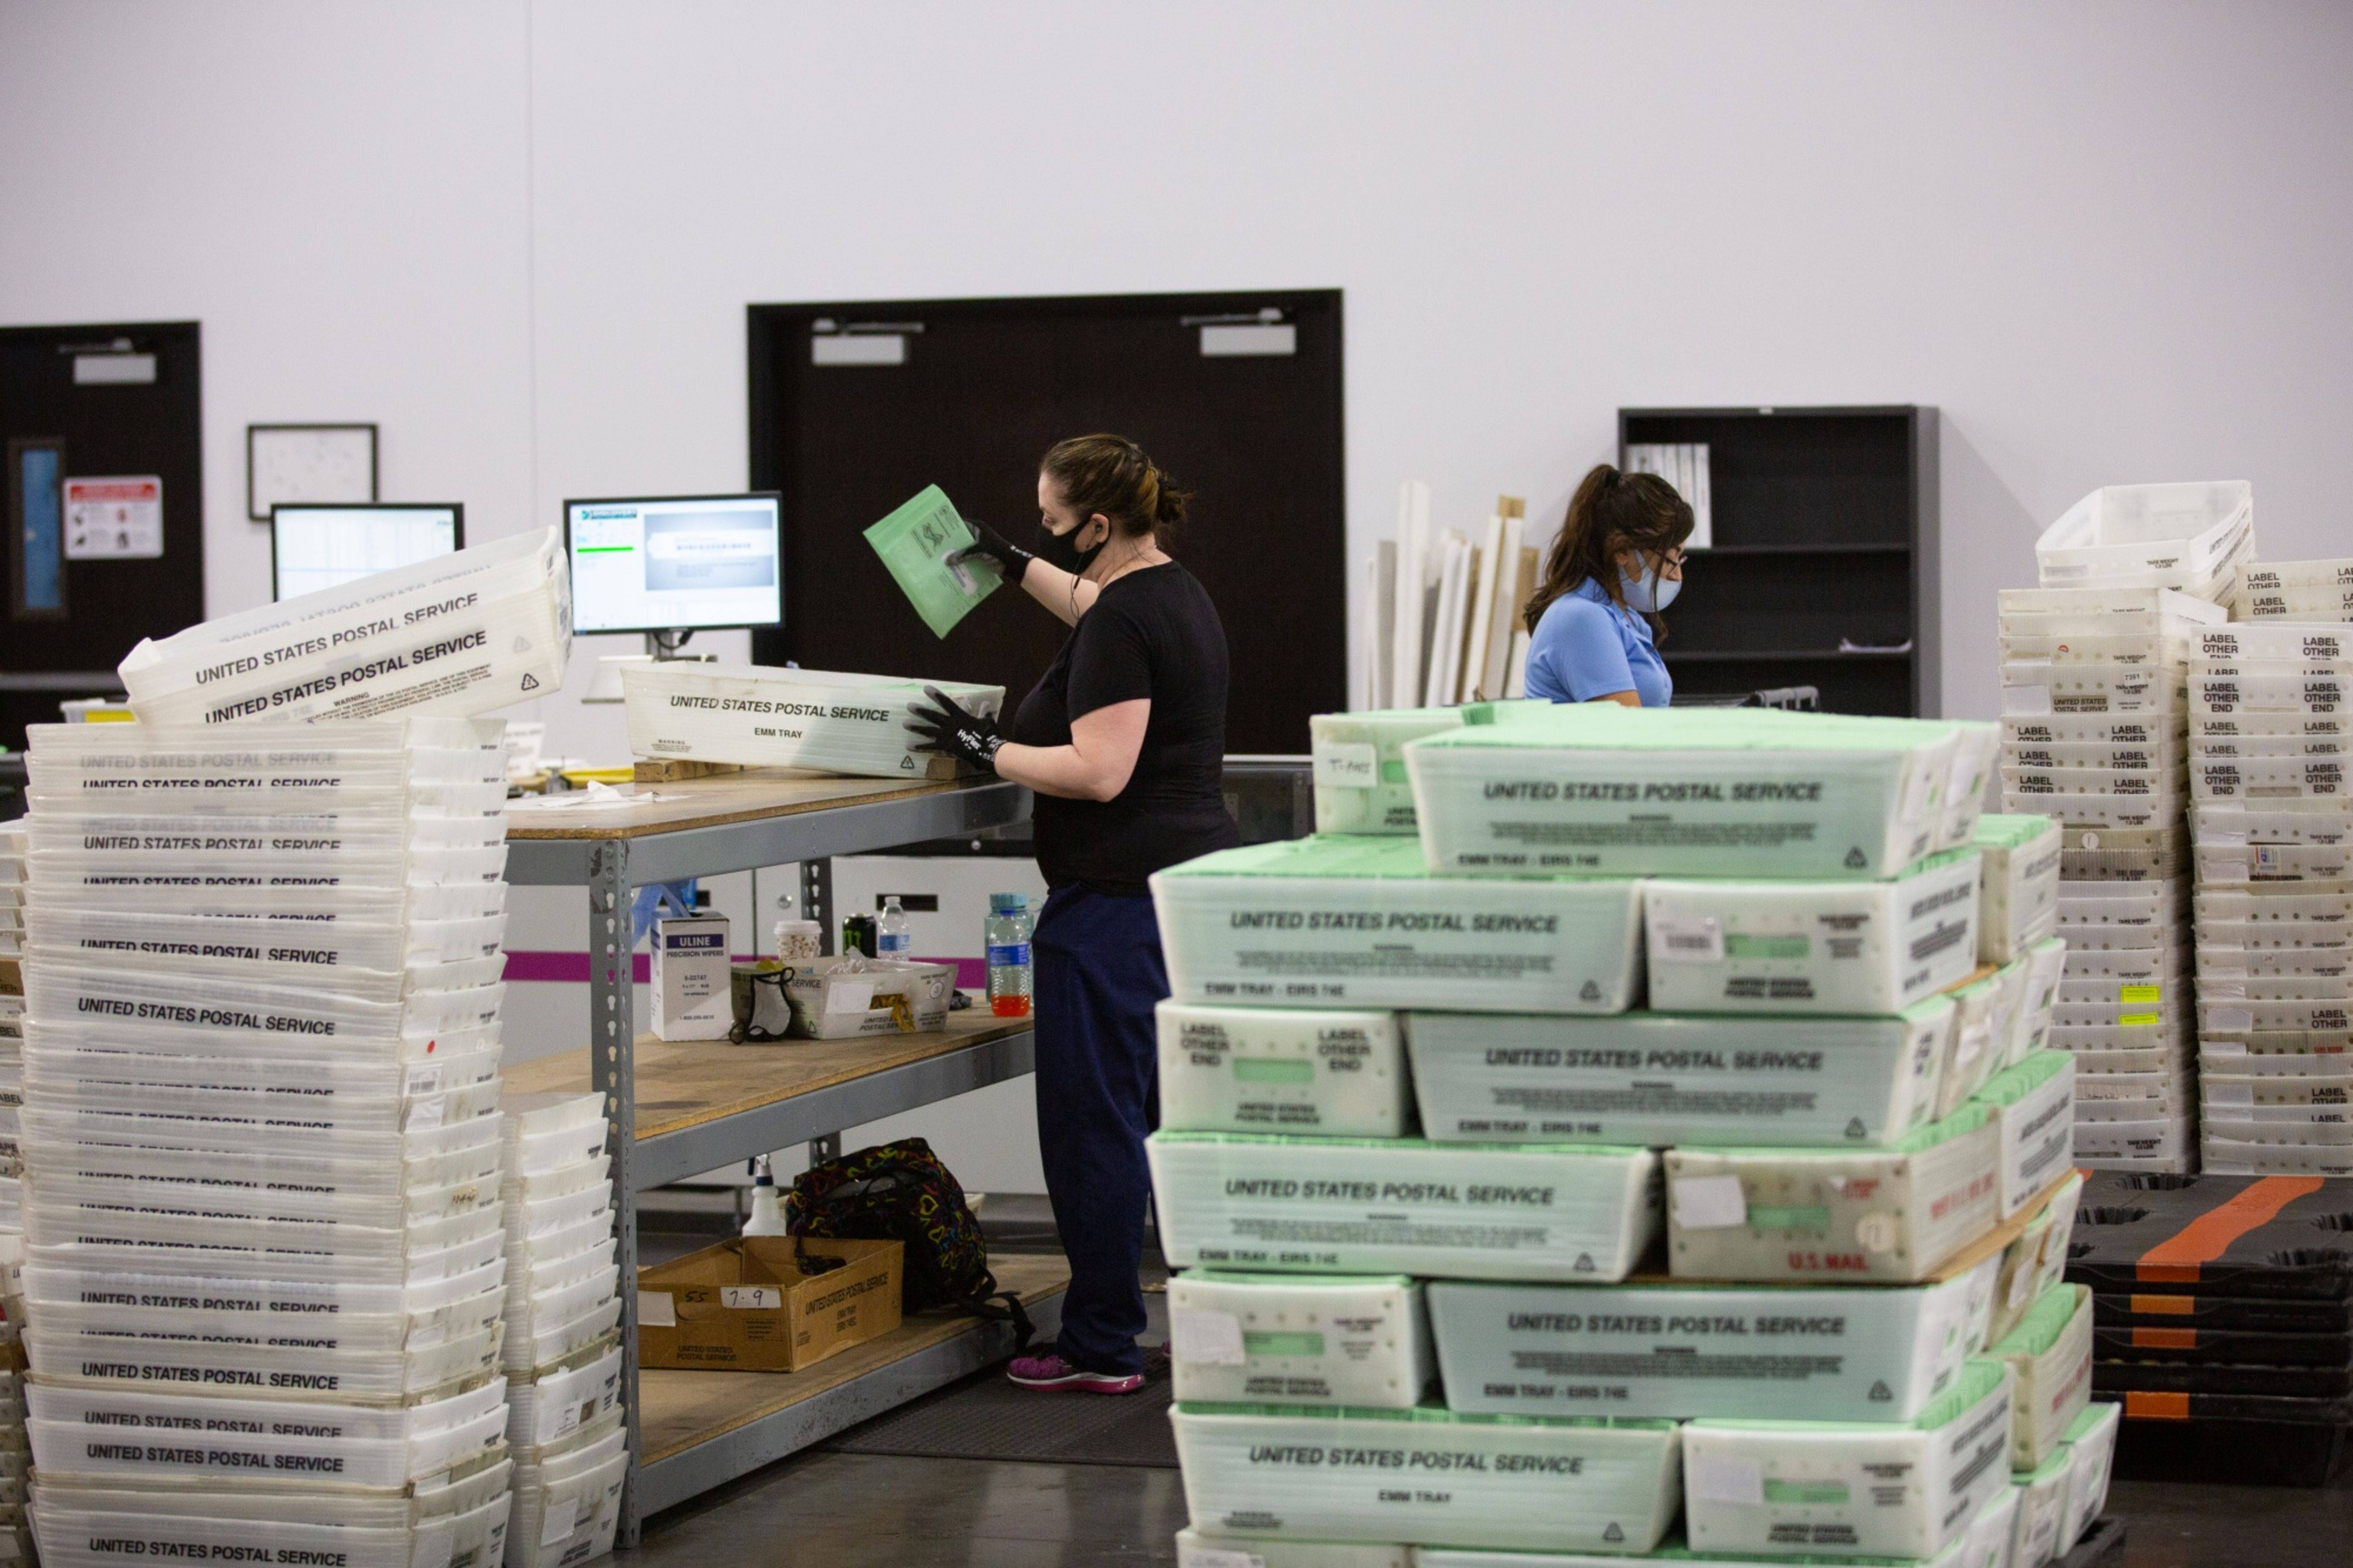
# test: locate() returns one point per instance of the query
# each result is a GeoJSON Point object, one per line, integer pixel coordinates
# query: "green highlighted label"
{"type": "Point", "coordinates": [1294, 1344]}
{"type": "Point", "coordinates": [1275, 1070]}
{"type": "Point", "coordinates": [1767, 947]}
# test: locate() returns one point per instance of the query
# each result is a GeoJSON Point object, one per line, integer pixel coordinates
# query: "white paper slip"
{"type": "Point", "coordinates": [1662, 1078]}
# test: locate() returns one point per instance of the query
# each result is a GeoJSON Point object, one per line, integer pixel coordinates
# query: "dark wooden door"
{"type": "Point", "coordinates": [983, 389]}
{"type": "Point", "coordinates": [85, 401]}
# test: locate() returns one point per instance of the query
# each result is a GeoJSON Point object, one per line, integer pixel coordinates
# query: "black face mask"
{"type": "Point", "coordinates": [1061, 549]}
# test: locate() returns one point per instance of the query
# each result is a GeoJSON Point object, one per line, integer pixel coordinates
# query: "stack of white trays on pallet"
{"type": "Point", "coordinates": [1495, 1338]}
{"type": "Point", "coordinates": [16, 1539]}
{"type": "Point", "coordinates": [2094, 665]}
{"type": "Point", "coordinates": [265, 1278]}
{"type": "Point", "coordinates": [562, 1349]}
{"type": "Point", "coordinates": [2271, 737]}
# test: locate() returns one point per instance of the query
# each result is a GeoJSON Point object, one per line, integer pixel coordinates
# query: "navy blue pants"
{"type": "Point", "coordinates": [1099, 974]}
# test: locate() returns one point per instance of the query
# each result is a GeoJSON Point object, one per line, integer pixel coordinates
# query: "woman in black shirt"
{"type": "Point", "coordinates": [1123, 742]}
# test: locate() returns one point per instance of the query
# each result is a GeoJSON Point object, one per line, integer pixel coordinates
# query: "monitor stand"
{"type": "Point", "coordinates": [662, 646]}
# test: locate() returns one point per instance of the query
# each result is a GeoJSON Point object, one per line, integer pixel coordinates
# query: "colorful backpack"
{"type": "Point", "coordinates": [900, 1192]}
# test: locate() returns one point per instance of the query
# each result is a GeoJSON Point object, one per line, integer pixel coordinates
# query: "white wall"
{"type": "Point", "coordinates": [2111, 241]}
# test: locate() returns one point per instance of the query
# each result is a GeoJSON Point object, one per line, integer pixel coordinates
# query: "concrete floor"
{"type": "Point", "coordinates": [865, 1510]}
{"type": "Point", "coordinates": [860, 1510]}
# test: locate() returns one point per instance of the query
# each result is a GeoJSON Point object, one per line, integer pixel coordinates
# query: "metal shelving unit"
{"type": "Point", "coordinates": [717, 1107]}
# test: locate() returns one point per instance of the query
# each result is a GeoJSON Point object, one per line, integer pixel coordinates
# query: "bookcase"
{"type": "Point", "coordinates": [1822, 571]}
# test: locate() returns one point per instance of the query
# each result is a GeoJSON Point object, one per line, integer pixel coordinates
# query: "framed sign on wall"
{"type": "Point", "coordinates": [295, 463]}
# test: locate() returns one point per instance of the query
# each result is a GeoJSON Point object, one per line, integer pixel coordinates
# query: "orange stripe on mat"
{"type": "Point", "coordinates": [2165, 1306]}
{"type": "Point", "coordinates": [2164, 1339]}
{"type": "Point", "coordinates": [2174, 1260]}
{"type": "Point", "coordinates": [2149, 1404]}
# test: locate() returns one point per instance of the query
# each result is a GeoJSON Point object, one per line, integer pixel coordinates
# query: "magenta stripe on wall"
{"type": "Point", "coordinates": [572, 968]}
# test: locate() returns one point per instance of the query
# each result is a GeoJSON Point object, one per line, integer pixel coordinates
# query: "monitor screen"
{"type": "Point", "coordinates": [315, 547]}
{"type": "Point", "coordinates": [675, 562]}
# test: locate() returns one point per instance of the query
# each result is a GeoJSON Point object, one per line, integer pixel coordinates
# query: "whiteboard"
{"type": "Point", "coordinates": [290, 463]}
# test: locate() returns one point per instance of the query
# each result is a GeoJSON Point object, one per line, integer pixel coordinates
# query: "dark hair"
{"type": "Point", "coordinates": [1610, 512]}
{"type": "Point", "coordinates": [1111, 475]}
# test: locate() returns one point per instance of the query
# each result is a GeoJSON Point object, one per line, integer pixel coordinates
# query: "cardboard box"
{"type": "Point", "coordinates": [831, 1002]}
{"type": "Point", "coordinates": [746, 1306]}
{"type": "Point", "coordinates": [694, 998]}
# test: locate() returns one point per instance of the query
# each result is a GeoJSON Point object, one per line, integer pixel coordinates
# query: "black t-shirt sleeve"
{"type": "Point", "coordinates": [1110, 660]}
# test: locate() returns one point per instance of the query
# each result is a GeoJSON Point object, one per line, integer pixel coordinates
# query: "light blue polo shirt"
{"type": "Point", "coordinates": [1585, 646]}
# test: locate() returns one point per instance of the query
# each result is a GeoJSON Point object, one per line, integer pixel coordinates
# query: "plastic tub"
{"type": "Point", "coordinates": [543, 1131]}
{"type": "Point", "coordinates": [2205, 728]}
{"type": "Point", "coordinates": [2164, 536]}
{"type": "Point", "coordinates": [2136, 731]}
{"type": "Point", "coordinates": [2274, 686]}
{"type": "Point", "coordinates": [401, 1312]}
{"type": "Point", "coordinates": [282, 1364]}
{"type": "Point", "coordinates": [523, 1354]}
{"type": "Point", "coordinates": [2030, 690]}
{"type": "Point", "coordinates": [2035, 647]}
{"type": "Point", "coordinates": [331, 948]}
{"type": "Point", "coordinates": [571, 1522]}
{"type": "Point", "coordinates": [461, 975]}
{"type": "Point", "coordinates": [527, 1276]}
{"type": "Point", "coordinates": [2271, 778]}
{"type": "Point", "coordinates": [72, 1538]}
{"type": "Point", "coordinates": [444, 942]}
{"type": "Point", "coordinates": [2162, 756]}
{"type": "Point", "coordinates": [2025, 780]}
{"type": "Point", "coordinates": [555, 1307]}
{"type": "Point", "coordinates": [261, 1252]}
{"type": "Point", "coordinates": [2170, 1139]}
{"type": "Point", "coordinates": [2295, 605]}
{"type": "Point", "coordinates": [555, 1256]}
{"type": "Point", "coordinates": [349, 1333]}
{"type": "Point", "coordinates": [561, 1402]}
{"type": "Point", "coordinates": [92, 1429]}
{"type": "Point", "coordinates": [546, 1216]}
{"type": "Point", "coordinates": [453, 867]}
{"type": "Point", "coordinates": [2275, 863]}
{"type": "Point", "coordinates": [555, 1182]}
{"type": "Point", "coordinates": [2098, 810]}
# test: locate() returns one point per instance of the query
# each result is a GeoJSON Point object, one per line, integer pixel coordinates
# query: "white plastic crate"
{"type": "Point", "coordinates": [2299, 604]}
{"type": "Point", "coordinates": [490, 624]}
{"type": "Point", "coordinates": [1891, 1215]}
{"type": "Point", "coordinates": [1677, 1350]}
{"type": "Point", "coordinates": [2272, 778]}
{"type": "Point", "coordinates": [2275, 863]}
{"type": "Point", "coordinates": [2170, 1139]}
{"type": "Point", "coordinates": [2031, 689]}
{"type": "Point", "coordinates": [1658, 1079]}
{"type": "Point", "coordinates": [1327, 1205]}
{"type": "Point", "coordinates": [1267, 1069]}
{"type": "Point", "coordinates": [1886, 1489]}
{"type": "Point", "coordinates": [1782, 947]}
{"type": "Point", "coordinates": [1519, 1485]}
{"type": "Point", "coordinates": [2124, 730]}
{"type": "Point", "coordinates": [2166, 536]}
{"type": "Point", "coordinates": [2128, 810]}
{"type": "Point", "coordinates": [1331, 1341]}
{"type": "Point", "coordinates": [2270, 686]}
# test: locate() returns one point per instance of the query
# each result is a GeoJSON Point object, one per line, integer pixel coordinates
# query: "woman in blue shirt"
{"type": "Point", "coordinates": [1594, 622]}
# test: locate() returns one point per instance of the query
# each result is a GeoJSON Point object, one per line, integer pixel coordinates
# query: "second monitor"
{"type": "Point", "coordinates": [661, 563]}
{"type": "Point", "coordinates": [315, 546]}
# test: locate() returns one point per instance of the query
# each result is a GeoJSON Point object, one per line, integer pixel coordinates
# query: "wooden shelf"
{"type": "Point", "coordinates": [700, 1427]}
{"type": "Point", "coordinates": [701, 1103]}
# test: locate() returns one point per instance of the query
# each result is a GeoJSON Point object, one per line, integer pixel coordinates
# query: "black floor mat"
{"type": "Point", "coordinates": [986, 1417]}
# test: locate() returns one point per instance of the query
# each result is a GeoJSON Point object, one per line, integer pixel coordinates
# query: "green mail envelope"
{"type": "Point", "coordinates": [915, 542]}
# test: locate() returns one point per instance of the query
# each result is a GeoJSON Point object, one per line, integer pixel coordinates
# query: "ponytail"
{"type": "Point", "coordinates": [1610, 513]}
{"type": "Point", "coordinates": [1111, 475]}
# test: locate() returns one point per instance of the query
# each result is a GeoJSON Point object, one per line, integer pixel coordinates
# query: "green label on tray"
{"type": "Point", "coordinates": [1293, 1343]}
{"type": "Point", "coordinates": [1813, 1217]}
{"type": "Point", "coordinates": [1393, 771]}
{"type": "Point", "coordinates": [1275, 1070]}
{"type": "Point", "coordinates": [1805, 1492]}
{"type": "Point", "coordinates": [1765, 947]}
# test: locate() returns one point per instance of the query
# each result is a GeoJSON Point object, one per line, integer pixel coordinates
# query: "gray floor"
{"type": "Point", "coordinates": [864, 1510]}
{"type": "Point", "coordinates": [856, 1511]}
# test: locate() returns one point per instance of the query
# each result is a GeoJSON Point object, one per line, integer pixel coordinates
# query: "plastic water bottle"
{"type": "Point", "coordinates": [1008, 956]}
{"type": "Point", "coordinates": [767, 1217]}
{"type": "Point", "coordinates": [892, 938]}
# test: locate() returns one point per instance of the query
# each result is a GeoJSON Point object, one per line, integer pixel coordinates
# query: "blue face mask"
{"type": "Point", "coordinates": [1649, 595]}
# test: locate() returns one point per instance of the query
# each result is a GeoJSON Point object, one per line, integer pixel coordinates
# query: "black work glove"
{"type": "Point", "coordinates": [953, 732]}
{"type": "Point", "coordinates": [1004, 557]}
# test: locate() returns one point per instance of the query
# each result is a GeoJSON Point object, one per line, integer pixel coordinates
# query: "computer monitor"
{"type": "Point", "coordinates": [663, 563]}
{"type": "Point", "coordinates": [314, 546]}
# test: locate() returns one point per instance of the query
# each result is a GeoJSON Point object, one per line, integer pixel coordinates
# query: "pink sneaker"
{"type": "Point", "coordinates": [1051, 1372]}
